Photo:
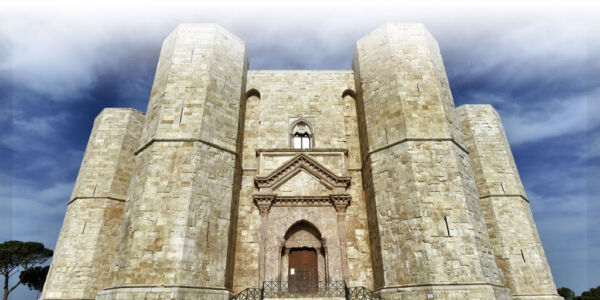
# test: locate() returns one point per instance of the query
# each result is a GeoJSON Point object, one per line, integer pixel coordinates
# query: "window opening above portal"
{"type": "Point", "coordinates": [301, 135]}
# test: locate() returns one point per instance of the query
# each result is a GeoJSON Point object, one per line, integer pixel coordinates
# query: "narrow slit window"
{"type": "Point", "coordinates": [447, 225]}
{"type": "Point", "coordinates": [523, 256]}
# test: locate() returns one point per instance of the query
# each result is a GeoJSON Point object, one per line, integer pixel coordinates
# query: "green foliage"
{"type": "Point", "coordinates": [592, 294]}
{"type": "Point", "coordinates": [14, 254]}
{"type": "Point", "coordinates": [566, 293]}
{"type": "Point", "coordinates": [34, 277]}
{"type": "Point", "coordinates": [18, 254]}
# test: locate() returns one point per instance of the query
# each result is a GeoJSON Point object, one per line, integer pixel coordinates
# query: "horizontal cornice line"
{"type": "Point", "coordinates": [438, 284]}
{"type": "Point", "coordinates": [184, 140]}
{"type": "Point", "coordinates": [145, 286]}
{"type": "Point", "coordinates": [504, 195]}
{"type": "Point", "coordinates": [97, 197]}
{"type": "Point", "coordinates": [368, 156]}
{"type": "Point", "coordinates": [69, 298]}
{"type": "Point", "coordinates": [533, 295]}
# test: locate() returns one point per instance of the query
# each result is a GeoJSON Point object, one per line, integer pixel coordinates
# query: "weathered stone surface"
{"type": "Point", "coordinates": [196, 93]}
{"type": "Point", "coordinates": [309, 298]}
{"type": "Point", "coordinates": [448, 292]}
{"type": "Point", "coordinates": [178, 217]}
{"type": "Point", "coordinates": [515, 240]}
{"type": "Point", "coordinates": [317, 96]}
{"type": "Point", "coordinates": [206, 196]}
{"type": "Point", "coordinates": [429, 226]}
{"type": "Point", "coordinates": [87, 244]}
{"type": "Point", "coordinates": [164, 293]}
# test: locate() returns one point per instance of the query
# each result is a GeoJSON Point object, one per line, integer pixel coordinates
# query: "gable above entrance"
{"type": "Point", "coordinates": [302, 184]}
{"type": "Point", "coordinates": [302, 163]}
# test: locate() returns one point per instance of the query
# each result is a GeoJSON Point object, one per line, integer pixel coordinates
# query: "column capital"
{"type": "Point", "coordinates": [340, 202]}
{"type": "Point", "coordinates": [263, 202]}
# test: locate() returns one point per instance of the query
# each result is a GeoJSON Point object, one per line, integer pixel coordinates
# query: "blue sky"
{"type": "Point", "coordinates": [540, 68]}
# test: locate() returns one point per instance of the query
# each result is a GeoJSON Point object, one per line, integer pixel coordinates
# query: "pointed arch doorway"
{"type": "Point", "coordinates": [304, 255]}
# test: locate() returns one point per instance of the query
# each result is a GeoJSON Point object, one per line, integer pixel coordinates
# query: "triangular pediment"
{"type": "Point", "coordinates": [302, 183]}
{"type": "Point", "coordinates": [294, 166]}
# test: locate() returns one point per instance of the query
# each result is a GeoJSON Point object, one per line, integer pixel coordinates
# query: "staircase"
{"type": "Point", "coordinates": [330, 290]}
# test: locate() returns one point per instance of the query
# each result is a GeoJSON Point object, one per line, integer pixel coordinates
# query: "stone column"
{"type": "Point", "coordinates": [285, 264]}
{"type": "Point", "coordinates": [86, 244]}
{"type": "Point", "coordinates": [428, 235]}
{"type": "Point", "coordinates": [177, 238]}
{"type": "Point", "coordinates": [325, 254]}
{"type": "Point", "coordinates": [514, 236]}
{"type": "Point", "coordinates": [280, 262]}
{"type": "Point", "coordinates": [341, 202]}
{"type": "Point", "coordinates": [263, 202]}
{"type": "Point", "coordinates": [320, 264]}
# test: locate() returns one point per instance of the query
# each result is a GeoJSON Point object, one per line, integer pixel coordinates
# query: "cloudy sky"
{"type": "Point", "coordinates": [538, 65]}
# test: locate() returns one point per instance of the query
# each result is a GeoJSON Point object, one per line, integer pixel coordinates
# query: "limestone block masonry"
{"type": "Point", "coordinates": [372, 176]}
{"type": "Point", "coordinates": [515, 241]}
{"type": "Point", "coordinates": [86, 245]}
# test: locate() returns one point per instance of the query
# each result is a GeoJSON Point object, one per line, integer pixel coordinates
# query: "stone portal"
{"type": "Point", "coordinates": [302, 205]}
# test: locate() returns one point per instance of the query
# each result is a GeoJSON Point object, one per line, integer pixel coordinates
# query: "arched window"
{"type": "Point", "coordinates": [301, 135]}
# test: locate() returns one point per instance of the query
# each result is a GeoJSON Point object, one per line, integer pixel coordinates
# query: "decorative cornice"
{"type": "Point", "coordinates": [293, 166]}
{"type": "Point", "coordinates": [301, 201]}
{"type": "Point", "coordinates": [264, 202]}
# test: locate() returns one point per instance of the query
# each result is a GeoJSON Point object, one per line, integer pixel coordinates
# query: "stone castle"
{"type": "Point", "coordinates": [237, 178]}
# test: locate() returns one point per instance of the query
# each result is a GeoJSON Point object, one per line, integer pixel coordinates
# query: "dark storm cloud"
{"type": "Point", "coordinates": [540, 72]}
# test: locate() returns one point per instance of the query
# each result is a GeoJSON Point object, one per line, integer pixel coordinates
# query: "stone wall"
{"type": "Point", "coordinates": [177, 221]}
{"type": "Point", "coordinates": [428, 229]}
{"type": "Point", "coordinates": [319, 97]}
{"type": "Point", "coordinates": [514, 237]}
{"type": "Point", "coordinates": [86, 244]}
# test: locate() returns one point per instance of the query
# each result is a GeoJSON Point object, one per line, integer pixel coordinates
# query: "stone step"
{"type": "Point", "coordinates": [309, 298]}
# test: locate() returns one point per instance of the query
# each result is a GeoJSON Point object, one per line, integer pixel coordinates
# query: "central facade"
{"type": "Point", "coordinates": [301, 169]}
{"type": "Point", "coordinates": [237, 178]}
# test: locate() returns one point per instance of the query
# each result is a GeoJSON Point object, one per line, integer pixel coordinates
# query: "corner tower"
{"type": "Point", "coordinates": [428, 235]}
{"type": "Point", "coordinates": [514, 236]}
{"type": "Point", "coordinates": [86, 245]}
{"type": "Point", "coordinates": [177, 236]}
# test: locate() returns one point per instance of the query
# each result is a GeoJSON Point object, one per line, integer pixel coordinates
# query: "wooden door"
{"type": "Point", "coordinates": [302, 273]}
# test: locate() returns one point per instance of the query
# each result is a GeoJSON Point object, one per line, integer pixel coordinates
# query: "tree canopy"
{"type": "Point", "coordinates": [34, 278]}
{"type": "Point", "coordinates": [592, 294]}
{"type": "Point", "coordinates": [566, 293]}
{"type": "Point", "coordinates": [15, 255]}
